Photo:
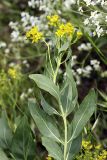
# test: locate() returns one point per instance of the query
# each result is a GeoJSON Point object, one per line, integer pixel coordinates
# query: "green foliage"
{"type": "Point", "coordinates": [19, 145]}
{"type": "Point", "coordinates": [3, 155]}
{"type": "Point", "coordinates": [23, 145]}
{"type": "Point", "coordinates": [5, 132]}
{"type": "Point", "coordinates": [70, 143]}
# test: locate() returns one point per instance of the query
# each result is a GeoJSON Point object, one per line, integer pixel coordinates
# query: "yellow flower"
{"type": "Point", "coordinates": [103, 155]}
{"type": "Point", "coordinates": [49, 158]}
{"type": "Point", "coordinates": [53, 20]}
{"type": "Point", "coordinates": [65, 30]}
{"type": "Point", "coordinates": [34, 34]}
{"type": "Point", "coordinates": [79, 34]}
{"type": "Point", "coordinates": [98, 147]}
{"type": "Point", "coordinates": [12, 73]}
{"type": "Point", "coordinates": [86, 145]}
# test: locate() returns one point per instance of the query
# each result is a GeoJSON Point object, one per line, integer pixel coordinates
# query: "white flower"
{"type": "Point", "coordinates": [86, 21]}
{"type": "Point", "coordinates": [23, 96]}
{"type": "Point", "coordinates": [74, 60]}
{"type": "Point", "coordinates": [2, 44]}
{"type": "Point", "coordinates": [68, 3]}
{"type": "Point", "coordinates": [80, 9]}
{"type": "Point", "coordinates": [15, 36]}
{"type": "Point", "coordinates": [79, 71]}
{"type": "Point", "coordinates": [99, 31]}
{"type": "Point", "coordinates": [85, 47]}
{"type": "Point", "coordinates": [32, 3]}
{"type": "Point", "coordinates": [30, 90]}
{"type": "Point", "coordinates": [7, 50]}
{"type": "Point", "coordinates": [13, 25]}
{"type": "Point", "coordinates": [96, 64]}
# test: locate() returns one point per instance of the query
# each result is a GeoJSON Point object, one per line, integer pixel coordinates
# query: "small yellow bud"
{"type": "Point", "coordinates": [79, 34]}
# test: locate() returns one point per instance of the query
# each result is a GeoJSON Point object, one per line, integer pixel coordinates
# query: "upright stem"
{"type": "Point", "coordinates": [65, 131]}
{"type": "Point", "coordinates": [62, 111]}
{"type": "Point", "coordinates": [65, 143]}
{"type": "Point", "coordinates": [49, 56]}
{"type": "Point", "coordinates": [57, 68]}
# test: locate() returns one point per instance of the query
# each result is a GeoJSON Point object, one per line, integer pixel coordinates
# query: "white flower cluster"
{"type": "Point", "coordinates": [93, 12]}
{"type": "Point", "coordinates": [94, 2]}
{"type": "Point", "coordinates": [86, 71]}
{"type": "Point", "coordinates": [96, 19]}
{"type": "Point", "coordinates": [32, 3]}
{"type": "Point", "coordinates": [15, 34]}
{"type": "Point", "coordinates": [85, 47]}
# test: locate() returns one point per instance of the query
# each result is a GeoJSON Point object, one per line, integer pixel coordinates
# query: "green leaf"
{"type": "Point", "coordinates": [44, 122]}
{"type": "Point", "coordinates": [69, 94]}
{"type": "Point", "coordinates": [47, 107]}
{"type": "Point", "coordinates": [3, 155]}
{"type": "Point", "coordinates": [5, 132]}
{"type": "Point", "coordinates": [74, 147]}
{"type": "Point", "coordinates": [64, 47]}
{"type": "Point", "coordinates": [72, 83]}
{"type": "Point", "coordinates": [23, 145]}
{"type": "Point", "coordinates": [84, 113]}
{"type": "Point", "coordinates": [53, 148]}
{"type": "Point", "coordinates": [46, 84]}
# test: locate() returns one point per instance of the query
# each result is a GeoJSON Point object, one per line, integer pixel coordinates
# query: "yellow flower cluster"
{"type": "Point", "coordinates": [65, 30]}
{"type": "Point", "coordinates": [103, 155]}
{"type": "Point", "coordinates": [53, 20]}
{"type": "Point", "coordinates": [87, 145]}
{"type": "Point", "coordinates": [12, 73]}
{"type": "Point", "coordinates": [34, 34]}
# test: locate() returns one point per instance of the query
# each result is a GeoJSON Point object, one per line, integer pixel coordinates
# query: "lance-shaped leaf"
{"type": "Point", "coordinates": [64, 47]}
{"type": "Point", "coordinates": [23, 145]}
{"type": "Point", "coordinates": [44, 122]}
{"type": "Point", "coordinates": [72, 82]}
{"type": "Point", "coordinates": [69, 93]}
{"type": "Point", "coordinates": [83, 114]}
{"type": "Point", "coordinates": [74, 147]}
{"type": "Point", "coordinates": [3, 155]}
{"type": "Point", "coordinates": [53, 148]}
{"type": "Point", "coordinates": [5, 132]}
{"type": "Point", "coordinates": [47, 107]}
{"type": "Point", "coordinates": [46, 84]}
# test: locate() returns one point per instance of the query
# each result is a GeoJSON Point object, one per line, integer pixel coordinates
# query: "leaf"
{"type": "Point", "coordinates": [74, 147]}
{"type": "Point", "coordinates": [69, 94]}
{"type": "Point", "coordinates": [3, 155]}
{"type": "Point", "coordinates": [46, 84]}
{"type": "Point", "coordinates": [23, 145]}
{"type": "Point", "coordinates": [5, 132]}
{"type": "Point", "coordinates": [84, 113]}
{"type": "Point", "coordinates": [64, 47]}
{"type": "Point", "coordinates": [72, 82]}
{"type": "Point", "coordinates": [44, 122]}
{"type": "Point", "coordinates": [47, 107]}
{"type": "Point", "coordinates": [53, 148]}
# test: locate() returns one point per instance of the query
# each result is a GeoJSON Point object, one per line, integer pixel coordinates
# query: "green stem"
{"type": "Point", "coordinates": [65, 143]}
{"type": "Point", "coordinates": [57, 68]}
{"type": "Point", "coordinates": [61, 108]}
{"type": "Point", "coordinates": [49, 56]}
